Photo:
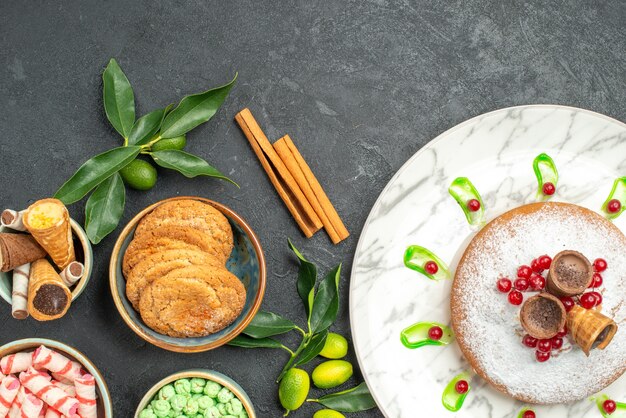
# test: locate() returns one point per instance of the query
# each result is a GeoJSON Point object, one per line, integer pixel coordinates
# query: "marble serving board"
{"type": "Point", "coordinates": [495, 151]}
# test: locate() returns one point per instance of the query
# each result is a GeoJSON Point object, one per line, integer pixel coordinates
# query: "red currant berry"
{"type": "Point", "coordinates": [544, 345]}
{"type": "Point", "coordinates": [461, 386]}
{"type": "Point", "coordinates": [557, 343]}
{"type": "Point", "coordinates": [542, 356]}
{"type": "Point", "coordinates": [588, 300]}
{"type": "Point", "coordinates": [473, 205]}
{"type": "Point", "coordinates": [596, 281]}
{"type": "Point", "coordinates": [529, 341]}
{"type": "Point", "coordinates": [529, 414]}
{"type": "Point", "coordinates": [537, 282]}
{"type": "Point", "coordinates": [568, 303]}
{"type": "Point", "coordinates": [609, 406]}
{"type": "Point", "coordinates": [535, 266]}
{"type": "Point", "coordinates": [563, 332]}
{"type": "Point", "coordinates": [504, 285]}
{"type": "Point", "coordinates": [614, 206]}
{"type": "Point", "coordinates": [521, 284]}
{"type": "Point", "coordinates": [516, 297]}
{"type": "Point", "coordinates": [431, 267]}
{"type": "Point", "coordinates": [524, 271]}
{"type": "Point", "coordinates": [599, 265]}
{"type": "Point", "coordinates": [545, 262]}
{"type": "Point", "coordinates": [435, 333]}
{"type": "Point", "coordinates": [598, 297]}
{"type": "Point", "coordinates": [548, 188]}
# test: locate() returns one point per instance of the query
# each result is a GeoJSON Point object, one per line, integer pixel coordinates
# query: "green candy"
{"type": "Point", "coordinates": [147, 413]}
{"type": "Point", "coordinates": [236, 406]}
{"type": "Point", "coordinates": [197, 385]}
{"type": "Point", "coordinates": [212, 389]}
{"type": "Point", "coordinates": [166, 392]}
{"type": "Point", "coordinates": [161, 408]}
{"type": "Point", "coordinates": [191, 408]}
{"type": "Point", "coordinates": [205, 402]}
{"type": "Point", "coordinates": [212, 412]}
{"type": "Point", "coordinates": [178, 402]}
{"type": "Point", "coordinates": [182, 386]}
{"type": "Point", "coordinates": [222, 408]}
{"type": "Point", "coordinates": [224, 395]}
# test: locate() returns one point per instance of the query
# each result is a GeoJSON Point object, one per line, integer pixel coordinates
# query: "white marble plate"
{"type": "Point", "coordinates": [495, 151]}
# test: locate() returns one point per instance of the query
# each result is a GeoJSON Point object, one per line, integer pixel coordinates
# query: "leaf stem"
{"type": "Point", "coordinates": [305, 341]}
{"type": "Point", "coordinates": [155, 139]}
{"type": "Point", "coordinates": [287, 349]}
{"type": "Point", "coordinates": [303, 332]}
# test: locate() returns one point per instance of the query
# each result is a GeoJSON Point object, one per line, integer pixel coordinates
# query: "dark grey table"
{"type": "Point", "coordinates": [359, 85]}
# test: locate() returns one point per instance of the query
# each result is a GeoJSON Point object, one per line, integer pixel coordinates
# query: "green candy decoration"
{"type": "Point", "coordinates": [416, 257]}
{"type": "Point", "coordinates": [197, 385]}
{"type": "Point", "coordinates": [212, 412]}
{"type": "Point", "coordinates": [205, 402]}
{"type": "Point", "coordinates": [451, 399]}
{"type": "Point", "coordinates": [618, 193]}
{"type": "Point", "coordinates": [212, 389]}
{"type": "Point", "coordinates": [524, 410]}
{"type": "Point", "coordinates": [191, 408]}
{"type": "Point", "coordinates": [236, 406]}
{"type": "Point", "coordinates": [161, 408]}
{"type": "Point", "coordinates": [224, 395]}
{"type": "Point", "coordinates": [416, 335]}
{"type": "Point", "coordinates": [182, 386]}
{"type": "Point", "coordinates": [463, 191]}
{"type": "Point", "coordinates": [166, 392]}
{"type": "Point", "coordinates": [147, 413]}
{"type": "Point", "coordinates": [546, 172]}
{"type": "Point", "coordinates": [178, 402]}
{"type": "Point", "coordinates": [620, 408]}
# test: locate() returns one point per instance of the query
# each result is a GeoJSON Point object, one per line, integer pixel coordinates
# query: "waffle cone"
{"type": "Point", "coordinates": [56, 239]}
{"type": "Point", "coordinates": [590, 328]}
{"type": "Point", "coordinates": [18, 249]}
{"type": "Point", "coordinates": [53, 300]}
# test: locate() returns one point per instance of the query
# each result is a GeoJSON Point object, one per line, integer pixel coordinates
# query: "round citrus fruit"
{"type": "Point", "coordinates": [328, 413]}
{"type": "Point", "coordinates": [331, 373]}
{"type": "Point", "coordinates": [178, 143]}
{"type": "Point", "coordinates": [335, 347]}
{"type": "Point", "coordinates": [294, 389]}
{"type": "Point", "coordinates": [139, 175]}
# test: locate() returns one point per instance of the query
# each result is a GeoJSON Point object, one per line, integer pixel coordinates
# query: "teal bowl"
{"type": "Point", "coordinates": [84, 254]}
{"type": "Point", "coordinates": [105, 406]}
{"type": "Point", "coordinates": [247, 262]}
{"type": "Point", "coordinates": [211, 375]}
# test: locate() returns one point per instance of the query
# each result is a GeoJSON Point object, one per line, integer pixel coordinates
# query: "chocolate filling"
{"type": "Point", "coordinates": [572, 271]}
{"type": "Point", "coordinates": [50, 300]}
{"type": "Point", "coordinates": [7, 217]}
{"type": "Point", "coordinates": [75, 269]}
{"type": "Point", "coordinates": [545, 314]}
{"type": "Point", "coordinates": [601, 337]}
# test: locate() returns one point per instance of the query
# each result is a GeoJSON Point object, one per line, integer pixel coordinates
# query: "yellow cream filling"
{"type": "Point", "coordinates": [45, 215]}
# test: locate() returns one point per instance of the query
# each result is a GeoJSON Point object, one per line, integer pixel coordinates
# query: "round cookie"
{"type": "Point", "coordinates": [194, 214]}
{"type": "Point", "coordinates": [193, 301]}
{"type": "Point", "coordinates": [487, 327]}
{"type": "Point", "coordinates": [158, 264]}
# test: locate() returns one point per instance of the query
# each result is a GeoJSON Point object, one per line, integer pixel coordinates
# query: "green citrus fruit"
{"type": "Point", "coordinates": [335, 347]}
{"type": "Point", "coordinates": [331, 373]}
{"type": "Point", "coordinates": [170, 143]}
{"type": "Point", "coordinates": [328, 413]}
{"type": "Point", "coordinates": [294, 389]}
{"type": "Point", "coordinates": [139, 175]}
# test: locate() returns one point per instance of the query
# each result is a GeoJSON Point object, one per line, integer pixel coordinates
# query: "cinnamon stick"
{"type": "Point", "coordinates": [311, 188]}
{"type": "Point", "coordinates": [279, 175]}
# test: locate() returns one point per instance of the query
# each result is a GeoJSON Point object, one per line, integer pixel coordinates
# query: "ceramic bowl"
{"type": "Point", "coordinates": [105, 406]}
{"type": "Point", "coordinates": [217, 377]}
{"type": "Point", "coordinates": [247, 262]}
{"type": "Point", "coordinates": [84, 254]}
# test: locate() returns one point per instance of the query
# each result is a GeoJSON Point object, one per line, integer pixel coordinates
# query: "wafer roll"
{"type": "Point", "coordinates": [49, 393]}
{"type": "Point", "coordinates": [13, 219]}
{"type": "Point", "coordinates": [67, 388]}
{"type": "Point", "coordinates": [15, 363]}
{"type": "Point", "coordinates": [72, 273]}
{"type": "Point", "coordinates": [62, 368]}
{"type": "Point", "coordinates": [48, 297]}
{"type": "Point", "coordinates": [53, 413]}
{"type": "Point", "coordinates": [8, 391]}
{"type": "Point", "coordinates": [86, 396]}
{"type": "Point", "coordinates": [19, 295]}
{"type": "Point", "coordinates": [14, 411]}
{"type": "Point", "coordinates": [49, 222]}
{"type": "Point", "coordinates": [17, 250]}
{"type": "Point", "coordinates": [590, 328]}
{"type": "Point", "coordinates": [31, 407]}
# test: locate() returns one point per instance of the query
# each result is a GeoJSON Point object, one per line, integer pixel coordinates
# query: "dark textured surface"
{"type": "Point", "coordinates": [359, 85]}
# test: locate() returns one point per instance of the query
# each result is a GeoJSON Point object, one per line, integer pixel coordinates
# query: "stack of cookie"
{"type": "Point", "coordinates": [175, 270]}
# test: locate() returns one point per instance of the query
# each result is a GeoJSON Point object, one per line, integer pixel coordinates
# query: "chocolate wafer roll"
{"type": "Point", "coordinates": [48, 297]}
{"type": "Point", "coordinates": [13, 219]}
{"type": "Point", "coordinates": [17, 250]}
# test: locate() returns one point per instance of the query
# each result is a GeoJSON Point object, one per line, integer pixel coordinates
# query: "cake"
{"type": "Point", "coordinates": [488, 328]}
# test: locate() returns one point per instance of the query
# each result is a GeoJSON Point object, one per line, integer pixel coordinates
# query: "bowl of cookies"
{"type": "Point", "coordinates": [45, 260]}
{"type": "Point", "coordinates": [187, 274]}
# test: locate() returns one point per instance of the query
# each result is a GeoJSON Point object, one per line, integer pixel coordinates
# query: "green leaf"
{"type": "Point", "coordinates": [187, 164]}
{"type": "Point", "coordinates": [104, 208]}
{"type": "Point", "coordinates": [119, 100]}
{"type": "Point", "coordinates": [307, 275]}
{"type": "Point", "coordinates": [194, 110]}
{"type": "Point", "coordinates": [351, 400]}
{"type": "Point", "coordinates": [146, 127]}
{"type": "Point", "coordinates": [249, 342]}
{"type": "Point", "coordinates": [266, 324]}
{"type": "Point", "coordinates": [326, 302]}
{"type": "Point", "coordinates": [94, 172]}
{"type": "Point", "coordinates": [313, 348]}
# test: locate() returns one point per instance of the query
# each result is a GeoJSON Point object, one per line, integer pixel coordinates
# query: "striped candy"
{"type": "Point", "coordinates": [14, 412]}
{"type": "Point", "coordinates": [53, 413]}
{"type": "Point", "coordinates": [15, 363]}
{"type": "Point", "coordinates": [31, 407]}
{"type": "Point", "coordinates": [8, 392]}
{"type": "Point", "coordinates": [86, 395]}
{"type": "Point", "coordinates": [61, 366]}
{"type": "Point", "coordinates": [50, 394]}
{"type": "Point", "coordinates": [67, 388]}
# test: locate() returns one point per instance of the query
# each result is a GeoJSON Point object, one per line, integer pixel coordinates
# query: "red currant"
{"type": "Point", "coordinates": [548, 188]}
{"type": "Point", "coordinates": [588, 300]}
{"type": "Point", "coordinates": [544, 345]}
{"type": "Point", "coordinates": [473, 205]}
{"type": "Point", "coordinates": [516, 297]}
{"type": "Point", "coordinates": [435, 333]}
{"type": "Point", "coordinates": [529, 414]}
{"type": "Point", "coordinates": [542, 356]}
{"type": "Point", "coordinates": [504, 285]}
{"type": "Point", "coordinates": [563, 332]}
{"type": "Point", "coordinates": [537, 282]}
{"type": "Point", "coordinates": [529, 341]}
{"type": "Point", "coordinates": [524, 271]}
{"type": "Point", "coordinates": [596, 281]}
{"type": "Point", "coordinates": [599, 265]}
{"type": "Point", "coordinates": [557, 343]}
{"type": "Point", "coordinates": [521, 284]}
{"type": "Point", "coordinates": [545, 262]}
{"type": "Point", "coordinates": [535, 266]}
{"type": "Point", "coordinates": [598, 297]}
{"type": "Point", "coordinates": [614, 206]}
{"type": "Point", "coordinates": [568, 303]}
{"type": "Point", "coordinates": [609, 406]}
{"type": "Point", "coordinates": [431, 267]}
{"type": "Point", "coordinates": [461, 386]}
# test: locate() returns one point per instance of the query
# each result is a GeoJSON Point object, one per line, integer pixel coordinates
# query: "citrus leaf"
{"type": "Point", "coordinates": [95, 171]}
{"type": "Point", "coordinates": [326, 302]}
{"type": "Point", "coordinates": [119, 99]}
{"type": "Point", "coordinates": [352, 400]}
{"type": "Point", "coordinates": [249, 342]}
{"type": "Point", "coordinates": [307, 275]}
{"type": "Point", "coordinates": [313, 348]}
{"type": "Point", "coordinates": [266, 324]}
{"type": "Point", "coordinates": [188, 165]}
{"type": "Point", "coordinates": [194, 110]}
{"type": "Point", "coordinates": [146, 127]}
{"type": "Point", "coordinates": [104, 208]}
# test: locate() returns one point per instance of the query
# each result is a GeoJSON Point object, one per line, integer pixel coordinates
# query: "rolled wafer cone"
{"type": "Point", "coordinates": [13, 219]}
{"type": "Point", "coordinates": [49, 222]}
{"type": "Point", "coordinates": [48, 297]}
{"type": "Point", "coordinates": [17, 250]}
{"type": "Point", "coordinates": [542, 316]}
{"type": "Point", "coordinates": [590, 328]}
{"type": "Point", "coordinates": [570, 274]}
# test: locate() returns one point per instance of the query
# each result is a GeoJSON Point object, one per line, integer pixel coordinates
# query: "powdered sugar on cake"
{"type": "Point", "coordinates": [489, 330]}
